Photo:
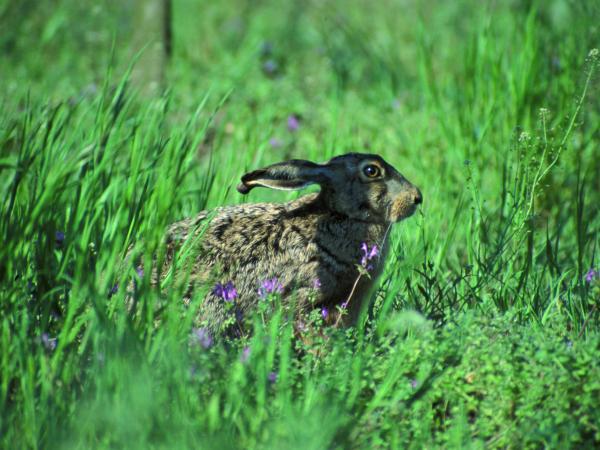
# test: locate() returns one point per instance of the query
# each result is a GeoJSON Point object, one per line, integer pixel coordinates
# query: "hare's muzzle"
{"type": "Point", "coordinates": [406, 199]}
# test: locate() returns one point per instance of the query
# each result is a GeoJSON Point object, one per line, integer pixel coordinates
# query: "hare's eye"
{"type": "Point", "coordinates": [371, 171]}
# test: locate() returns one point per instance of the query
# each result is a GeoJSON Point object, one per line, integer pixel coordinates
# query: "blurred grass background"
{"type": "Point", "coordinates": [484, 329]}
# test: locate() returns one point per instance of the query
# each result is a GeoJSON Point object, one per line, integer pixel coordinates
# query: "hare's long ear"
{"type": "Point", "coordinates": [288, 175]}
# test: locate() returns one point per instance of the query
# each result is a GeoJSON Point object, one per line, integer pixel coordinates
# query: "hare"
{"type": "Point", "coordinates": [307, 248]}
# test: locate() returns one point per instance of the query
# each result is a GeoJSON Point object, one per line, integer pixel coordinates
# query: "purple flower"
{"type": "Point", "coordinates": [316, 283]}
{"type": "Point", "coordinates": [201, 336]}
{"type": "Point", "coordinates": [140, 273]}
{"type": "Point", "coordinates": [48, 342]}
{"type": "Point", "coordinates": [293, 123]}
{"type": "Point", "coordinates": [113, 289]}
{"type": "Point", "coordinates": [345, 304]}
{"type": "Point", "coordinates": [272, 286]}
{"type": "Point", "coordinates": [270, 67]}
{"type": "Point", "coordinates": [225, 291]}
{"type": "Point", "coordinates": [589, 277]}
{"type": "Point", "coordinates": [324, 312]}
{"type": "Point", "coordinates": [245, 356]}
{"type": "Point", "coordinates": [59, 238]}
{"type": "Point", "coordinates": [272, 377]}
{"type": "Point", "coordinates": [275, 142]}
{"type": "Point", "coordinates": [414, 384]}
{"type": "Point", "coordinates": [368, 255]}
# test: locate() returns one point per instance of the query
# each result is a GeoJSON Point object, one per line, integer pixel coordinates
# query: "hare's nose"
{"type": "Point", "coordinates": [418, 197]}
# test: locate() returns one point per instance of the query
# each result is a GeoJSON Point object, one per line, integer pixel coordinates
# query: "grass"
{"type": "Point", "coordinates": [484, 329]}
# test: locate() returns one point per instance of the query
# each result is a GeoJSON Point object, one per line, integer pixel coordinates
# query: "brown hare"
{"type": "Point", "coordinates": [308, 248]}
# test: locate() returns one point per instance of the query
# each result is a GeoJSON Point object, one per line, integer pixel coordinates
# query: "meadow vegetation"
{"type": "Point", "coordinates": [484, 329]}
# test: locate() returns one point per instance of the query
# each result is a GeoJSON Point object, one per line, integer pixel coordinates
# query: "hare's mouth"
{"type": "Point", "coordinates": [402, 210]}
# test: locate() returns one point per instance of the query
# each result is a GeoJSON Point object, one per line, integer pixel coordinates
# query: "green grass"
{"type": "Point", "coordinates": [484, 332]}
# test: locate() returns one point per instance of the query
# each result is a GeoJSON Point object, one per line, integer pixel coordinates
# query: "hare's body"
{"type": "Point", "coordinates": [311, 246]}
{"type": "Point", "coordinates": [311, 251]}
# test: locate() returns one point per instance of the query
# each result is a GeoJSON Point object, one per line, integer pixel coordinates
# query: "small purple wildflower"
{"type": "Point", "coordinates": [113, 289]}
{"type": "Point", "coordinates": [414, 384]}
{"type": "Point", "coordinates": [272, 377]}
{"type": "Point", "coordinates": [368, 255]}
{"type": "Point", "coordinates": [59, 238]}
{"type": "Point", "coordinates": [293, 123]}
{"type": "Point", "coordinates": [316, 283]}
{"type": "Point", "coordinates": [140, 273]}
{"type": "Point", "coordinates": [324, 312]}
{"type": "Point", "coordinates": [345, 304]}
{"type": "Point", "coordinates": [589, 277]}
{"type": "Point", "coordinates": [202, 337]}
{"type": "Point", "coordinates": [225, 291]}
{"type": "Point", "coordinates": [270, 67]}
{"type": "Point", "coordinates": [48, 342]}
{"type": "Point", "coordinates": [245, 356]}
{"type": "Point", "coordinates": [272, 286]}
{"type": "Point", "coordinates": [275, 142]}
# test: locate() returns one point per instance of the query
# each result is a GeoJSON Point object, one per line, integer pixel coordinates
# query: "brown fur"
{"type": "Point", "coordinates": [317, 237]}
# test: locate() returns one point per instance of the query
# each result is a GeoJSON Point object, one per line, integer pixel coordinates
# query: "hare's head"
{"type": "Point", "coordinates": [356, 185]}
